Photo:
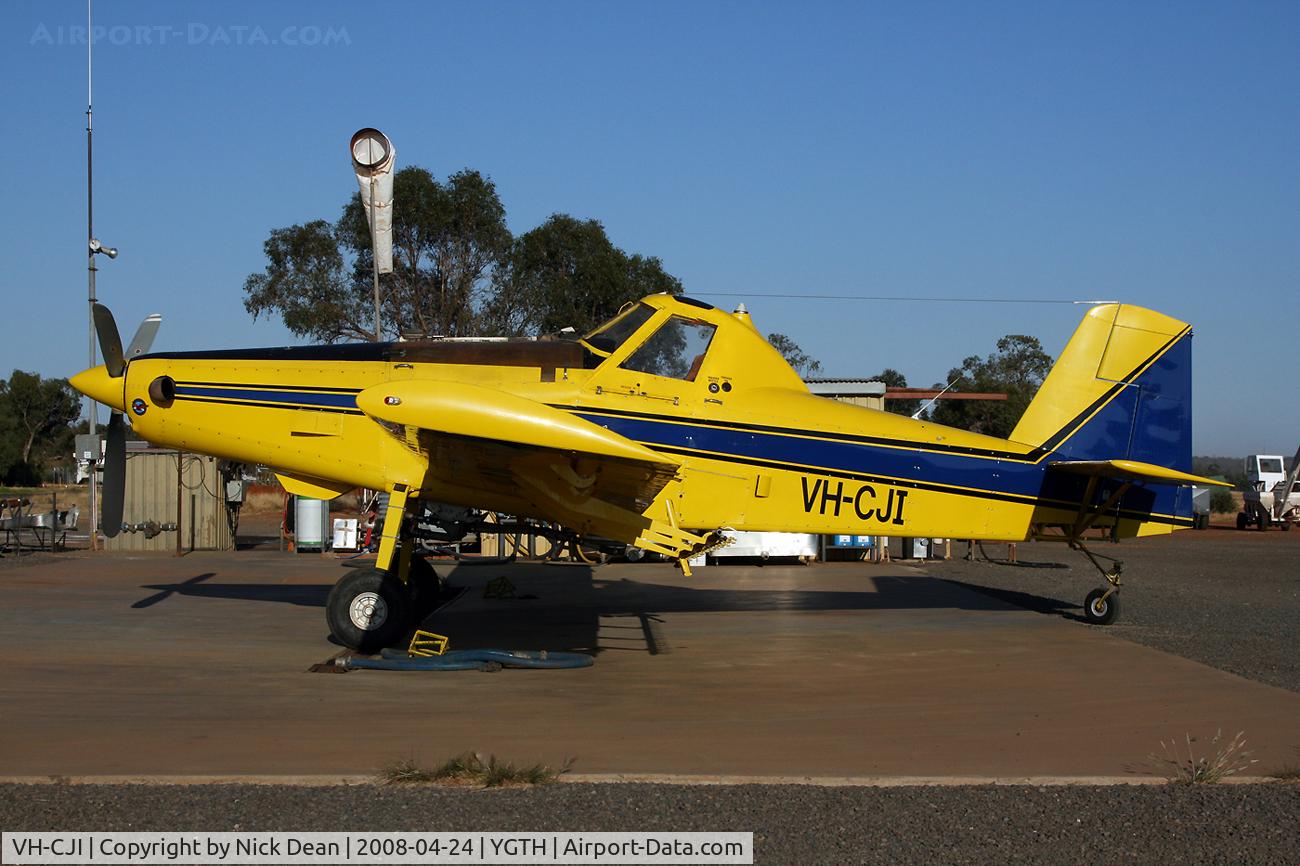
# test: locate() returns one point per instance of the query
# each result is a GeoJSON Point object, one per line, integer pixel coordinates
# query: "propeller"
{"type": "Point", "coordinates": [143, 338]}
{"type": "Point", "coordinates": [114, 492]}
{"type": "Point", "coordinates": [110, 344]}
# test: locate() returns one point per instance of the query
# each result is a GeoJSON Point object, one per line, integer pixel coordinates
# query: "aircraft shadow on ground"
{"type": "Point", "coordinates": [1037, 603]}
{"type": "Point", "coordinates": [308, 595]}
{"type": "Point", "coordinates": [575, 609]}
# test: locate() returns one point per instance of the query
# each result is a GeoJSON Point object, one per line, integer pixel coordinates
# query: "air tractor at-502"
{"type": "Point", "coordinates": [670, 423]}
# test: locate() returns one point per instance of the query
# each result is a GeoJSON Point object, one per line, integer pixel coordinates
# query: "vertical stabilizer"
{"type": "Point", "coordinates": [1122, 389]}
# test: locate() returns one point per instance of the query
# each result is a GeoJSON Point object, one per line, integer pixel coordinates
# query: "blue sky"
{"type": "Point", "coordinates": [1145, 152]}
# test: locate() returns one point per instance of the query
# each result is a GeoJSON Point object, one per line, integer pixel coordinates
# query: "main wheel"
{"type": "Point", "coordinates": [1101, 609]}
{"type": "Point", "coordinates": [425, 586]}
{"type": "Point", "coordinates": [368, 610]}
{"type": "Point", "coordinates": [1242, 520]}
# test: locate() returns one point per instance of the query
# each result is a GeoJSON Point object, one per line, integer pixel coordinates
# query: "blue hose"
{"type": "Point", "coordinates": [472, 660]}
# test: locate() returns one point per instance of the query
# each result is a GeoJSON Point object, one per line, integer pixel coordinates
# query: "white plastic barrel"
{"type": "Point", "coordinates": [309, 523]}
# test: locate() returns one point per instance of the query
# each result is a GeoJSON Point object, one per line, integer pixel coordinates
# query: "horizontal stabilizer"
{"type": "Point", "coordinates": [1133, 470]}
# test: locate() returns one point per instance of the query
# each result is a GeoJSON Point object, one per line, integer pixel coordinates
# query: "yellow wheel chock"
{"type": "Point", "coordinates": [425, 644]}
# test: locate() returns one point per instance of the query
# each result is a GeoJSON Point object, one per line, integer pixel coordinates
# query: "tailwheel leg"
{"type": "Point", "coordinates": [369, 609]}
{"type": "Point", "coordinates": [1101, 607]}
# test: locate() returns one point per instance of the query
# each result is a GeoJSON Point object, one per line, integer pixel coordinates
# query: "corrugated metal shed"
{"type": "Point", "coordinates": [151, 494]}
{"type": "Point", "coordinates": [859, 392]}
{"type": "Point", "coordinates": [846, 387]}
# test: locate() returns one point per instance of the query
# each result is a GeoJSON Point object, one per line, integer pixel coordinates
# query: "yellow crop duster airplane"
{"type": "Point", "coordinates": [665, 425]}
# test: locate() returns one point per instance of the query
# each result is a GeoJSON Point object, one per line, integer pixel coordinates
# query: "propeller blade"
{"type": "Point", "coordinates": [110, 342]}
{"type": "Point", "coordinates": [143, 338]}
{"type": "Point", "coordinates": [114, 491]}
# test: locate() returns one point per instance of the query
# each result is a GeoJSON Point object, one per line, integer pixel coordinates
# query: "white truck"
{"type": "Point", "coordinates": [1272, 496]}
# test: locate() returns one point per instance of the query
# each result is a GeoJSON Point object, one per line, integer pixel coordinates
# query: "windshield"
{"type": "Point", "coordinates": [608, 337]}
{"type": "Point", "coordinates": [1270, 464]}
{"type": "Point", "coordinates": [676, 350]}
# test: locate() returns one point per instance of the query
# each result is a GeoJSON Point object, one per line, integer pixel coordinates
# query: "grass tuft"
{"type": "Point", "coordinates": [1226, 760]}
{"type": "Point", "coordinates": [471, 770]}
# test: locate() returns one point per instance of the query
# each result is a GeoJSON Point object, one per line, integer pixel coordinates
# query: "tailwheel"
{"type": "Point", "coordinates": [1101, 607]}
{"type": "Point", "coordinates": [368, 609]}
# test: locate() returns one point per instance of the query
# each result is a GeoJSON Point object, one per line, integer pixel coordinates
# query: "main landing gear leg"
{"type": "Point", "coordinates": [1101, 607]}
{"type": "Point", "coordinates": [369, 609]}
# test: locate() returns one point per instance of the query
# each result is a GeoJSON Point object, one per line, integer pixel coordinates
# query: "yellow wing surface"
{"type": "Point", "coordinates": [505, 446]}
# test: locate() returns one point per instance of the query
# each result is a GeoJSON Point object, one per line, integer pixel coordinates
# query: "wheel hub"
{"type": "Point", "coordinates": [368, 611]}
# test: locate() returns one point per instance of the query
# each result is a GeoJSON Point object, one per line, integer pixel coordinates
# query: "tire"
{"type": "Point", "coordinates": [1242, 520]}
{"type": "Point", "coordinates": [1286, 525]}
{"type": "Point", "coordinates": [368, 610]}
{"type": "Point", "coordinates": [1264, 519]}
{"type": "Point", "coordinates": [1099, 612]}
{"type": "Point", "coordinates": [424, 586]}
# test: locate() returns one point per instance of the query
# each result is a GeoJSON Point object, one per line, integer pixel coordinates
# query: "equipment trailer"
{"type": "Point", "coordinates": [1273, 497]}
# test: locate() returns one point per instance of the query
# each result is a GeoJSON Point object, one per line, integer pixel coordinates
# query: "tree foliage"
{"type": "Point", "coordinates": [35, 419]}
{"type": "Point", "coordinates": [1222, 501]}
{"type": "Point", "coordinates": [803, 363]}
{"type": "Point", "coordinates": [894, 379]}
{"type": "Point", "coordinates": [566, 273]}
{"type": "Point", "coordinates": [1017, 368]}
{"type": "Point", "coordinates": [1231, 469]}
{"type": "Point", "coordinates": [447, 239]}
{"type": "Point", "coordinates": [457, 270]}
{"type": "Point", "coordinates": [305, 282]}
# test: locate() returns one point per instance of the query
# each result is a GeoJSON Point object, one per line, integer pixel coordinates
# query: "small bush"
{"type": "Point", "coordinates": [471, 769]}
{"type": "Point", "coordinates": [1221, 501]}
{"type": "Point", "coordinates": [1226, 761]}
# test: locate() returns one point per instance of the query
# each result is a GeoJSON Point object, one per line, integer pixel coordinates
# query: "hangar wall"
{"type": "Point", "coordinates": [151, 494]}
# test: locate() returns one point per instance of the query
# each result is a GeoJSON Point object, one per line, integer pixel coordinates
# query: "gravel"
{"type": "Point", "coordinates": [1229, 599]}
{"type": "Point", "coordinates": [791, 824]}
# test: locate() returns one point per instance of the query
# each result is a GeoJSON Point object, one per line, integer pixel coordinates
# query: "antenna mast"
{"type": "Point", "coordinates": [90, 275]}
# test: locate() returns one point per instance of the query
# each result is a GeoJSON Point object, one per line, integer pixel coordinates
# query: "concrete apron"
{"type": "Point", "coordinates": [156, 666]}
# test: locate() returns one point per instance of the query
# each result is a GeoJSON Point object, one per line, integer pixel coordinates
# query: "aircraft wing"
{"type": "Point", "coordinates": [1133, 470]}
{"type": "Point", "coordinates": [484, 439]}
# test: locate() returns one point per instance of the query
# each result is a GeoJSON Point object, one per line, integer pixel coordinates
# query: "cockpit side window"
{"type": "Point", "coordinates": [606, 339]}
{"type": "Point", "coordinates": [675, 351]}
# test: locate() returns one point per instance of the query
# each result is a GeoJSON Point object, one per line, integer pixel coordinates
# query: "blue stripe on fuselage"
{"type": "Point", "coordinates": [1006, 477]}
{"type": "Point", "coordinates": [295, 398]}
{"type": "Point", "coordinates": [981, 476]}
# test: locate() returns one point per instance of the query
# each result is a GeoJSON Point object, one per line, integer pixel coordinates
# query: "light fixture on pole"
{"type": "Point", "coordinates": [372, 160]}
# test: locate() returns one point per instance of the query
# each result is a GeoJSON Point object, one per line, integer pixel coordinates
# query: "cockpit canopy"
{"type": "Point", "coordinates": [674, 349]}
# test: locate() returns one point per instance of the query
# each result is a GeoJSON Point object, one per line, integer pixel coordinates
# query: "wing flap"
{"type": "Point", "coordinates": [1133, 470]}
